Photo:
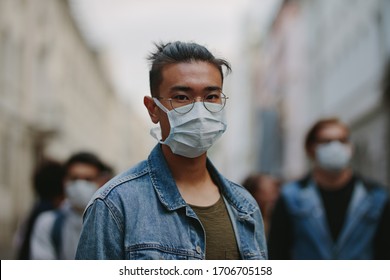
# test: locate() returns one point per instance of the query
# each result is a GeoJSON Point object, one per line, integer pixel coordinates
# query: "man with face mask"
{"type": "Point", "coordinates": [333, 213]}
{"type": "Point", "coordinates": [176, 205]}
{"type": "Point", "coordinates": [56, 233]}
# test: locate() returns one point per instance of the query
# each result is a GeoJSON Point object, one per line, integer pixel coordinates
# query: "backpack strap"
{"type": "Point", "coordinates": [56, 231]}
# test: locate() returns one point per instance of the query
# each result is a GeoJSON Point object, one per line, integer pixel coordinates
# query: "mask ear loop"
{"type": "Point", "coordinates": [158, 103]}
{"type": "Point", "coordinates": [155, 132]}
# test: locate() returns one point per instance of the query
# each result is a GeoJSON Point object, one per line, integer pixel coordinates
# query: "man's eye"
{"type": "Point", "coordinates": [212, 97]}
{"type": "Point", "coordinates": [181, 98]}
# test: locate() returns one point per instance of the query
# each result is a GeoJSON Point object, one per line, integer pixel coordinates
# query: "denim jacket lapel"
{"type": "Point", "coordinates": [163, 181]}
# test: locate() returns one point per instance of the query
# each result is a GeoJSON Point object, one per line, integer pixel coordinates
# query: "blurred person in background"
{"type": "Point", "coordinates": [332, 213]}
{"type": "Point", "coordinates": [265, 188]}
{"type": "Point", "coordinates": [175, 204]}
{"type": "Point", "coordinates": [48, 186]}
{"type": "Point", "coordinates": [56, 233]}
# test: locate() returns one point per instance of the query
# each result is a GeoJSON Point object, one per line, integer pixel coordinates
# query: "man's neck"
{"type": "Point", "coordinates": [332, 180]}
{"type": "Point", "coordinates": [192, 178]}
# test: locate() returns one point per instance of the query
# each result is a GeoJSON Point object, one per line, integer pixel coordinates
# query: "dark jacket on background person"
{"type": "Point", "coordinates": [310, 223]}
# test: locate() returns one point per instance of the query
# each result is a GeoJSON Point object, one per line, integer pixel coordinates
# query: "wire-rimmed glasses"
{"type": "Point", "coordinates": [183, 103]}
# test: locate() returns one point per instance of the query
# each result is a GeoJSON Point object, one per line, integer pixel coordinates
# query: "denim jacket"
{"type": "Point", "coordinates": [140, 214]}
{"type": "Point", "coordinates": [312, 238]}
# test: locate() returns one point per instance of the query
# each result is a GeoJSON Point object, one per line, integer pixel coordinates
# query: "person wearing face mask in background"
{"type": "Point", "coordinates": [176, 205]}
{"type": "Point", "coordinates": [48, 181]}
{"type": "Point", "coordinates": [56, 233]}
{"type": "Point", "coordinates": [332, 213]}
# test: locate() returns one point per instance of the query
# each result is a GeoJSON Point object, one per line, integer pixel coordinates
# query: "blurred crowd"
{"type": "Point", "coordinates": [52, 228]}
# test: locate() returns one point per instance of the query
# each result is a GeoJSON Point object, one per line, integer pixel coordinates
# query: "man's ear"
{"type": "Point", "coordinates": [152, 109]}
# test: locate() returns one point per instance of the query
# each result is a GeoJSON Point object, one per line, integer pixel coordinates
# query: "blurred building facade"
{"type": "Point", "coordinates": [320, 59]}
{"type": "Point", "coordinates": [55, 100]}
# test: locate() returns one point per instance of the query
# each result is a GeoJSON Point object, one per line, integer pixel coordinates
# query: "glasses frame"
{"type": "Point", "coordinates": [223, 97]}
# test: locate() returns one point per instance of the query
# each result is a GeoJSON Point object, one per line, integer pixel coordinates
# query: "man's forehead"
{"type": "Point", "coordinates": [196, 71]}
{"type": "Point", "coordinates": [335, 130]}
{"type": "Point", "coordinates": [82, 168]}
{"type": "Point", "coordinates": [185, 66]}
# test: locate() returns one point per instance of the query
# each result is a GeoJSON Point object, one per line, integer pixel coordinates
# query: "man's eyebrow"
{"type": "Point", "coordinates": [213, 88]}
{"type": "Point", "coordinates": [187, 88]}
{"type": "Point", "coordinates": [180, 88]}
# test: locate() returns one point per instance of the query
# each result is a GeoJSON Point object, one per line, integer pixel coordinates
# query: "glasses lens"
{"type": "Point", "coordinates": [181, 108]}
{"type": "Point", "coordinates": [215, 102]}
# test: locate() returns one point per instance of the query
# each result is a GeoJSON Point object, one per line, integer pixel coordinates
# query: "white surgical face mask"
{"type": "Point", "coordinates": [333, 156]}
{"type": "Point", "coordinates": [79, 192]}
{"type": "Point", "coordinates": [193, 133]}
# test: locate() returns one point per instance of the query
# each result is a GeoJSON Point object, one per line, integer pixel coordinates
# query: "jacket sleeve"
{"type": "Point", "coordinates": [101, 236]}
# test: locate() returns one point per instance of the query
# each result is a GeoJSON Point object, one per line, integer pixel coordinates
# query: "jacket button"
{"type": "Point", "coordinates": [198, 249]}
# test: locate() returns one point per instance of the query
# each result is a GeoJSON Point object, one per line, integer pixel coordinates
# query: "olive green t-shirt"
{"type": "Point", "coordinates": [221, 242]}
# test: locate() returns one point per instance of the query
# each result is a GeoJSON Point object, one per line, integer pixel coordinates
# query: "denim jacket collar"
{"type": "Point", "coordinates": [169, 194]}
{"type": "Point", "coordinates": [243, 206]}
{"type": "Point", "coordinates": [163, 181]}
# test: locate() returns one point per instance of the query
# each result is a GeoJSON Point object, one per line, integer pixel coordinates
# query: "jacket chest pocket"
{"type": "Point", "coordinates": [159, 252]}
